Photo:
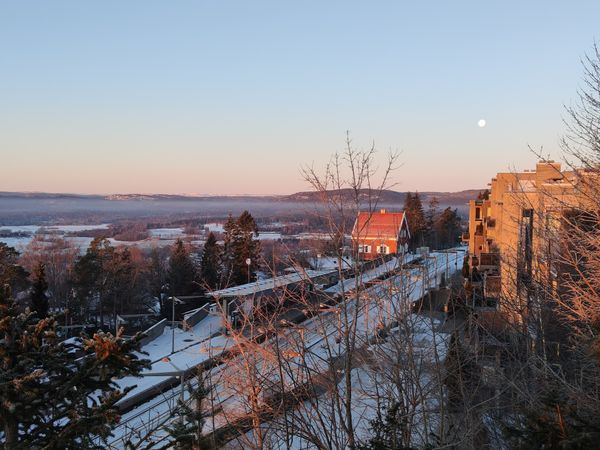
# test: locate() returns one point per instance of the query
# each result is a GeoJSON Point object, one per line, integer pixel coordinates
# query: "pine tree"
{"type": "Point", "coordinates": [448, 228]}
{"type": "Point", "coordinates": [430, 219]}
{"type": "Point", "coordinates": [415, 216]}
{"type": "Point", "coordinates": [186, 428]}
{"type": "Point", "coordinates": [91, 277]}
{"type": "Point", "coordinates": [50, 396]}
{"type": "Point", "coordinates": [156, 279]}
{"type": "Point", "coordinates": [123, 289]}
{"type": "Point", "coordinates": [249, 248]}
{"type": "Point", "coordinates": [11, 273]}
{"type": "Point", "coordinates": [211, 261]}
{"type": "Point", "coordinates": [462, 374]}
{"type": "Point", "coordinates": [387, 430]}
{"type": "Point", "coordinates": [181, 274]}
{"type": "Point", "coordinates": [239, 246]}
{"type": "Point", "coordinates": [39, 300]}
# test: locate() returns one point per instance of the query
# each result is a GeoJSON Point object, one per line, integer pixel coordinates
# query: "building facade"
{"type": "Point", "coordinates": [376, 234]}
{"type": "Point", "coordinates": [514, 235]}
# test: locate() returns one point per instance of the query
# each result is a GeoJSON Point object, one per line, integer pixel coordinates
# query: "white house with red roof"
{"type": "Point", "coordinates": [376, 234]}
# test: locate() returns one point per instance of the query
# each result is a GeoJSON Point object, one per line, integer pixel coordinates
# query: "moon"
{"type": "Point", "coordinates": [481, 123]}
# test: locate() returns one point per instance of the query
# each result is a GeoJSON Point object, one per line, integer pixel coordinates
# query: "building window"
{"type": "Point", "coordinates": [383, 249]}
{"type": "Point", "coordinates": [477, 213]}
{"type": "Point", "coordinates": [403, 233]}
{"type": "Point", "coordinates": [364, 248]}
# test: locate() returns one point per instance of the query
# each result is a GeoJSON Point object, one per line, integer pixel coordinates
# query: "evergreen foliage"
{"type": "Point", "coordinates": [156, 279]}
{"type": "Point", "coordinates": [181, 274]}
{"type": "Point", "coordinates": [104, 280]}
{"type": "Point", "coordinates": [186, 428]}
{"type": "Point", "coordinates": [11, 273]}
{"type": "Point", "coordinates": [39, 300]}
{"type": "Point", "coordinates": [240, 245]}
{"type": "Point", "coordinates": [447, 229]}
{"type": "Point", "coordinates": [50, 396]}
{"type": "Point", "coordinates": [415, 216]}
{"type": "Point", "coordinates": [556, 423]}
{"type": "Point", "coordinates": [431, 218]}
{"type": "Point", "coordinates": [462, 374]}
{"type": "Point", "coordinates": [387, 430]}
{"type": "Point", "coordinates": [211, 261]}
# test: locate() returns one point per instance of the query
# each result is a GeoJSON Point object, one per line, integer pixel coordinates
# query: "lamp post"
{"type": "Point", "coordinates": [335, 310]}
{"type": "Point", "coordinates": [118, 320]}
{"type": "Point", "coordinates": [173, 300]}
{"type": "Point", "coordinates": [248, 262]}
{"type": "Point", "coordinates": [181, 375]}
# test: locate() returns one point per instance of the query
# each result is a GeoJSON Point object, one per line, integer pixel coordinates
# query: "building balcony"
{"type": "Point", "coordinates": [489, 260]}
{"type": "Point", "coordinates": [492, 286]}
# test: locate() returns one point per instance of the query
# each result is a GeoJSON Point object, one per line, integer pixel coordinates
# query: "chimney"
{"type": "Point", "coordinates": [382, 211]}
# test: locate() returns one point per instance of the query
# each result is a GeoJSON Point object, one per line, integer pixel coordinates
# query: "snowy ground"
{"type": "Point", "coordinates": [166, 233]}
{"type": "Point", "coordinates": [317, 337]}
{"type": "Point", "coordinates": [191, 348]}
{"type": "Point", "coordinates": [20, 243]}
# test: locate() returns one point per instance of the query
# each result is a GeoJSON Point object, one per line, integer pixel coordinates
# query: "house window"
{"type": "Point", "coordinates": [403, 233]}
{"type": "Point", "coordinates": [364, 248]}
{"type": "Point", "coordinates": [383, 249]}
{"type": "Point", "coordinates": [477, 213]}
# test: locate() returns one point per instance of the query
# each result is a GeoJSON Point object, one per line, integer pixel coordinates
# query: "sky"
{"type": "Point", "coordinates": [235, 97]}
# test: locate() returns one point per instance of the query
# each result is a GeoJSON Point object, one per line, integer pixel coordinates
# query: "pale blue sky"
{"type": "Point", "coordinates": [232, 97]}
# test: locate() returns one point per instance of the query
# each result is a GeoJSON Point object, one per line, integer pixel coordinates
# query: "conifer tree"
{"type": "Point", "coordinates": [239, 246]}
{"type": "Point", "coordinates": [90, 278]}
{"type": "Point", "coordinates": [11, 273]}
{"type": "Point", "coordinates": [156, 279]}
{"type": "Point", "coordinates": [104, 278]}
{"type": "Point", "coordinates": [186, 428]}
{"type": "Point", "coordinates": [181, 274]}
{"type": "Point", "coordinates": [50, 396]}
{"type": "Point", "coordinates": [415, 216]}
{"type": "Point", "coordinates": [210, 264]}
{"type": "Point", "coordinates": [430, 218]}
{"type": "Point", "coordinates": [39, 300]}
{"type": "Point", "coordinates": [448, 228]}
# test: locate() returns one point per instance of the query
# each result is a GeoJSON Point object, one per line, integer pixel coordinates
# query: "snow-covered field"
{"type": "Point", "coordinates": [21, 242]}
{"type": "Point", "coordinates": [166, 233]}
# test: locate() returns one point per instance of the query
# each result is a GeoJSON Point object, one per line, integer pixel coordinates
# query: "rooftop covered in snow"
{"type": "Point", "coordinates": [270, 284]}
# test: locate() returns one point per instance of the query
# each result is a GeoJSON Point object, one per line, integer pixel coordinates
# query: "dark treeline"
{"type": "Point", "coordinates": [108, 280]}
{"type": "Point", "coordinates": [431, 227]}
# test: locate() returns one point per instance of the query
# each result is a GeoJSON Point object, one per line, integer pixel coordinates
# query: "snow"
{"type": "Point", "coordinates": [166, 233]}
{"type": "Point", "coordinates": [268, 236]}
{"type": "Point", "coordinates": [214, 227]}
{"type": "Point", "coordinates": [316, 338]}
{"type": "Point", "coordinates": [329, 262]}
{"type": "Point", "coordinates": [191, 348]}
{"type": "Point", "coordinates": [268, 284]}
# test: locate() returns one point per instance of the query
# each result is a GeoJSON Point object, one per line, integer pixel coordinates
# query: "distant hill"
{"type": "Point", "coordinates": [26, 208]}
{"type": "Point", "coordinates": [393, 197]}
{"type": "Point", "coordinates": [387, 196]}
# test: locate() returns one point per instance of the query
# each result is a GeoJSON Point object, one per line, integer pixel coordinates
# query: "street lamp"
{"type": "Point", "coordinates": [248, 262]}
{"type": "Point", "coordinates": [179, 302]}
{"type": "Point", "coordinates": [180, 371]}
{"type": "Point", "coordinates": [118, 320]}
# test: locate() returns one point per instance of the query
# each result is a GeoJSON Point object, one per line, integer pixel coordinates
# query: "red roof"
{"type": "Point", "coordinates": [381, 224]}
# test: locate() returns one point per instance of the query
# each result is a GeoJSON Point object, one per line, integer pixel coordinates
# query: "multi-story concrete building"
{"type": "Point", "coordinates": [514, 233]}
